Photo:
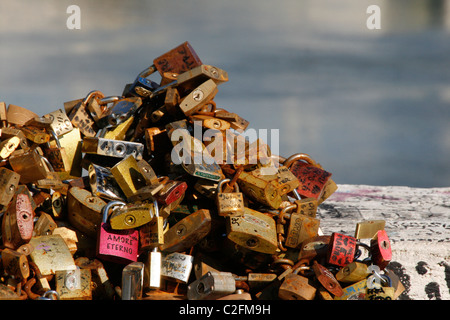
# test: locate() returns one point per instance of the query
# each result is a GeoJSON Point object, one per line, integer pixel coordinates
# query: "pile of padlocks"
{"type": "Point", "coordinates": [119, 197]}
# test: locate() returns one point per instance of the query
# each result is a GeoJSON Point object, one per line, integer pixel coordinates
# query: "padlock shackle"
{"type": "Point", "coordinates": [299, 157]}
{"type": "Point", "coordinates": [286, 211]}
{"type": "Point", "coordinates": [108, 206]}
{"type": "Point", "coordinates": [222, 182]}
{"type": "Point", "coordinates": [91, 94]}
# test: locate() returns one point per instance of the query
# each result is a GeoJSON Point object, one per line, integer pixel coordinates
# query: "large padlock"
{"type": "Point", "coordinates": [341, 249]}
{"type": "Point", "coordinates": [84, 211]}
{"type": "Point", "coordinates": [253, 230]}
{"type": "Point", "coordinates": [18, 116]}
{"type": "Point", "coordinates": [9, 180]}
{"type": "Point", "coordinates": [28, 164]}
{"type": "Point", "coordinates": [17, 223]}
{"type": "Point", "coordinates": [380, 248]}
{"type": "Point", "coordinates": [187, 232]}
{"type": "Point", "coordinates": [229, 203]}
{"type": "Point", "coordinates": [71, 143]}
{"type": "Point", "coordinates": [10, 132]}
{"type": "Point", "coordinates": [310, 174]}
{"type": "Point", "coordinates": [51, 254]}
{"type": "Point", "coordinates": [119, 246]}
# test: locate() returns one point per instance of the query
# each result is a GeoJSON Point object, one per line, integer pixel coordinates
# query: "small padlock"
{"type": "Point", "coordinates": [152, 269]}
{"type": "Point", "coordinates": [177, 267]}
{"type": "Point", "coordinates": [314, 248]}
{"type": "Point", "coordinates": [198, 97]}
{"type": "Point", "coordinates": [229, 203]}
{"type": "Point", "coordinates": [9, 180]}
{"type": "Point", "coordinates": [128, 176]}
{"type": "Point", "coordinates": [15, 264]}
{"type": "Point", "coordinates": [119, 112]}
{"type": "Point", "coordinates": [307, 207]}
{"type": "Point", "coordinates": [341, 249]}
{"type": "Point", "coordinates": [80, 117]}
{"type": "Point", "coordinates": [133, 215]}
{"type": "Point", "coordinates": [102, 287]}
{"type": "Point", "coordinates": [151, 235]}
{"type": "Point", "coordinates": [380, 248]}
{"type": "Point", "coordinates": [119, 246]}
{"type": "Point", "coordinates": [36, 135]}
{"type": "Point", "coordinates": [132, 281]}
{"type": "Point", "coordinates": [17, 223]}
{"type": "Point", "coordinates": [44, 225]}
{"type": "Point", "coordinates": [71, 143]}
{"type": "Point", "coordinates": [60, 122]}
{"type": "Point", "coordinates": [311, 176]}
{"type": "Point", "coordinates": [74, 284]}
{"type": "Point", "coordinates": [253, 230]}
{"type": "Point", "coordinates": [171, 191]}
{"type": "Point", "coordinates": [353, 272]}
{"type": "Point", "coordinates": [103, 183]}
{"type": "Point", "coordinates": [296, 287]}
{"type": "Point", "coordinates": [187, 232]}
{"type": "Point", "coordinates": [57, 156]}
{"type": "Point", "coordinates": [380, 293]}
{"type": "Point", "coordinates": [112, 148]}
{"type": "Point", "coordinates": [212, 286]}
{"type": "Point", "coordinates": [10, 132]}
{"type": "Point", "coordinates": [8, 146]}
{"type": "Point", "coordinates": [356, 291]}
{"type": "Point", "coordinates": [367, 229]}
{"type": "Point", "coordinates": [301, 227]}
{"type": "Point", "coordinates": [327, 279]}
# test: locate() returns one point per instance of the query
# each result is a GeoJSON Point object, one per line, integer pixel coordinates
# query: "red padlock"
{"type": "Point", "coordinates": [171, 191]}
{"type": "Point", "coordinates": [380, 248]}
{"type": "Point", "coordinates": [312, 178]}
{"type": "Point", "coordinates": [119, 246]}
{"type": "Point", "coordinates": [341, 249]}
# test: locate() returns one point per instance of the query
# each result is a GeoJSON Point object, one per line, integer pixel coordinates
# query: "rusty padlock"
{"type": "Point", "coordinates": [341, 249]}
{"type": "Point", "coordinates": [380, 248]}
{"type": "Point", "coordinates": [17, 223]}
{"type": "Point", "coordinates": [229, 203]}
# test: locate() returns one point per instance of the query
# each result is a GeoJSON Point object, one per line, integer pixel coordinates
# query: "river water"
{"type": "Point", "coordinates": [372, 106]}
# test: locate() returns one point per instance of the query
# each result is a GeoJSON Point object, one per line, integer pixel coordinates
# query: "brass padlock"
{"type": "Point", "coordinates": [198, 97]}
{"type": "Point", "coordinates": [9, 180]}
{"type": "Point", "coordinates": [353, 272]}
{"type": "Point", "coordinates": [36, 135]}
{"type": "Point", "coordinates": [229, 203]}
{"type": "Point", "coordinates": [10, 132]}
{"type": "Point", "coordinates": [212, 286]}
{"type": "Point", "coordinates": [151, 234]}
{"type": "Point", "coordinates": [210, 122]}
{"type": "Point", "coordinates": [367, 229]}
{"type": "Point", "coordinates": [300, 227]}
{"type": "Point", "coordinates": [80, 117]}
{"type": "Point", "coordinates": [8, 146]}
{"type": "Point", "coordinates": [57, 156]}
{"type": "Point", "coordinates": [15, 264]}
{"type": "Point", "coordinates": [51, 254]}
{"type": "Point", "coordinates": [128, 176]}
{"type": "Point", "coordinates": [133, 215]}
{"type": "Point", "coordinates": [253, 230]}
{"type": "Point", "coordinates": [18, 116]}
{"type": "Point", "coordinates": [71, 142]}
{"type": "Point", "coordinates": [296, 287]}
{"type": "Point", "coordinates": [84, 211]}
{"type": "Point", "coordinates": [29, 165]}
{"type": "Point", "coordinates": [187, 232]}
{"type": "Point", "coordinates": [307, 207]}
{"type": "Point", "coordinates": [44, 225]}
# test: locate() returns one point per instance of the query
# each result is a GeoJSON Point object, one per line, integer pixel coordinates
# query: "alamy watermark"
{"type": "Point", "coordinates": [373, 22]}
{"type": "Point", "coordinates": [73, 22]}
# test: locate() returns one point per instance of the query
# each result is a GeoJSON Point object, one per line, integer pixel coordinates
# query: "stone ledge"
{"type": "Point", "coordinates": [417, 223]}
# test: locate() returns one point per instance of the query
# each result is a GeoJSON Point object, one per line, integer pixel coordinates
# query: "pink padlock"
{"type": "Point", "coordinates": [119, 246]}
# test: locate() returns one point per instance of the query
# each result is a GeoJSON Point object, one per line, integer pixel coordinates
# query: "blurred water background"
{"type": "Point", "coordinates": [372, 106]}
